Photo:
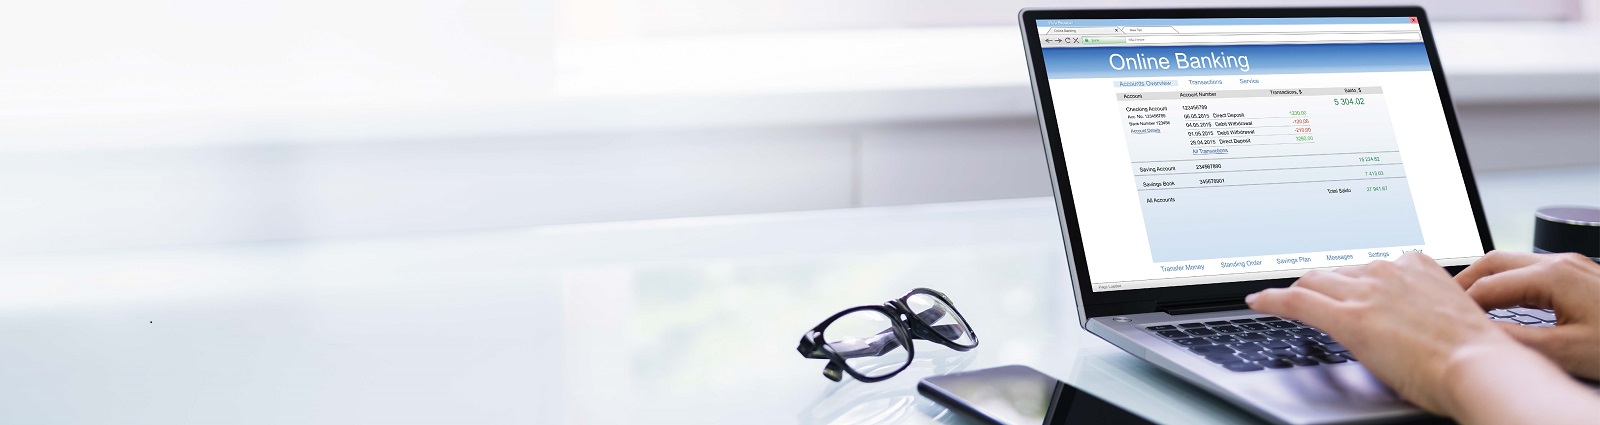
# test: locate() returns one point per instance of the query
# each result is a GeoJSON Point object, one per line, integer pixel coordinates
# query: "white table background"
{"type": "Point", "coordinates": [667, 321]}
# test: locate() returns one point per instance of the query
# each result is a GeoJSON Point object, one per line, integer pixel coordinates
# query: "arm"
{"type": "Point", "coordinates": [1415, 328]}
{"type": "Point", "coordinates": [1507, 383]}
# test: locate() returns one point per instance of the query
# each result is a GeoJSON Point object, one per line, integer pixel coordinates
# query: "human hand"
{"type": "Point", "coordinates": [1407, 321]}
{"type": "Point", "coordinates": [1568, 283]}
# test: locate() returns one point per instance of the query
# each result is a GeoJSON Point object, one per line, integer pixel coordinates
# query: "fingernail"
{"type": "Point", "coordinates": [1250, 299]}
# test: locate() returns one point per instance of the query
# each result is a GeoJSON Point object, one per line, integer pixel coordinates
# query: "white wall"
{"type": "Point", "coordinates": [1531, 135]}
{"type": "Point", "coordinates": [151, 197]}
{"type": "Point", "coordinates": [106, 199]}
{"type": "Point", "coordinates": [184, 122]}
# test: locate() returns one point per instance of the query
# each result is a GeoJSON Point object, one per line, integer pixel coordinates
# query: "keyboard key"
{"type": "Point", "coordinates": [1217, 323]}
{"type": "Point", "coordinates": [1254, 327]}
{"type": "Point", "coordinates": [1202, 332]}
{"type": "Point", "coordinates": [1230, 329]}
{"type": "Point", "coordinates": [1268, 319]}
{"type": "Point", "coordinates": [1251, 337]}
{"type": "Point", "coordinates": [1500, 313]}
{"type": "Point", "coordinates": [1173, 334]}
{"type": "Point", "coordinates": [1334, 348]}
{"type": "Point", "coordinates": [1302, 342]}
{"type": "Point", "coordinates": [1521, 310]}
{"type": "Point", "coordinates": [1253, 356]}
{"type": "Point", "coordinates": [1281, 354]}
{"type": "Point", "coordinates": [1243, 320]}
{"type": "Point", "coordinates": [1304, 351]}
{"type": "Point", "coordinates": [1302, 361]}
{"type": "Point", "coordinates": [1275, 344]}
{"type": "Point", "coordinates": [1275, 364]}
{"type": "Point", "coordinates": [1191, 325]}
{"type": "Point", "coordinates": [1306, 332]}
{"type": "Point", "coordinates": [1242, 367]}
{"type": "Point", "coordinates": [1205, 350]}
{"type": "Point", "coordinates": [1329, 358]}
{"type": "Point", "coordinates": [1221, 339]}
{"type": "Point", "coordinates": [1282, 325]}
{"type": "Point", "coordinates": [1246, 347]}
{"type": "Point", "coordinates": [1162, 328]}
{"type": "Point", "coordinates": [1278, 334]}
{"type": "Point", "coordinates": [1526, 320]}
{"type": "Point", "coordinates": [1191, 342]}
{"type": "Point", "coordinates": [1537, 314]}
{"type": "Point", "coordinates": [1224, 358]}
{"type": "Point", "coordinates": [1324, 340]}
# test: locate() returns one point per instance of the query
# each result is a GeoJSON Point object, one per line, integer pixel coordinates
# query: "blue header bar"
{"type": "Point", "coordinates": [1255, 59]}
{"type": "Point", "coordinates": [1218, 21]}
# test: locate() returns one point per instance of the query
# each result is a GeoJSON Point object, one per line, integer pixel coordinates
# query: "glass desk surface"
{"type": "Point", "coordinates": [689, 320]}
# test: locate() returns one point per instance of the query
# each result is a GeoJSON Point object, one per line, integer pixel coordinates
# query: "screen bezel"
{"type": "Point", "coordinates": [1131, 301]}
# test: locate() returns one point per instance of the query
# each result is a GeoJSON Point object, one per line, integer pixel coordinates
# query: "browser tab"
{"type": "Point", "coordinates": [1149, 30]}
{"type": "Point", "coordinates": [1083, 30]}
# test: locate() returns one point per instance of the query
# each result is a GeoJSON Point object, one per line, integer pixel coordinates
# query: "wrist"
{"type": "Point", "coordinates": [1470, 373]}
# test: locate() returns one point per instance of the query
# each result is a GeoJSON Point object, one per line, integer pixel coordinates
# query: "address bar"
{"type": "Point", "coordinates": [1255, 38]}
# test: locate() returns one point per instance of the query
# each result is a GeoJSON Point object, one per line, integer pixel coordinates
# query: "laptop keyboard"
{"type": "Point", "coordinates": [1248, 344]}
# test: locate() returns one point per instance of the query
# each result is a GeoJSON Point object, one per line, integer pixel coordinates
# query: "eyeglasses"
{"type": "Point", "coordinates": [873, 342]}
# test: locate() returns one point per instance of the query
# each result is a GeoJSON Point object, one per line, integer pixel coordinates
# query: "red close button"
{"type": "Point", "coordinates": [1413, 19]}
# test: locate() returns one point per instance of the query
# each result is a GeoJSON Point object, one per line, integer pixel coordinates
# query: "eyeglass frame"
{"type": "Point", "coordinates": [812, 345]}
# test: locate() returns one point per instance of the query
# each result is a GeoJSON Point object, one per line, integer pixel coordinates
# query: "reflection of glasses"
{"type": "Point", "coordinates": [862, 403]}
{"type": "Point", "coordinates": [873, 342]}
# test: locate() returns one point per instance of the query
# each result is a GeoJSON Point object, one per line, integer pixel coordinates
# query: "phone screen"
{"type": "Point", "coordinates": [1023, 396]}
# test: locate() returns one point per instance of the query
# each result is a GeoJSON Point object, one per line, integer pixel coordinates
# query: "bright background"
{"type": "Point", "coordinates": [163, 123]}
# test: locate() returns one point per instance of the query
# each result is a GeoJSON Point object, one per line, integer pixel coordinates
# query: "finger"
{"type": "Point", "coordinates": [1418, 259]}
{"type": "Point", "coordinates": [1352, 271]}
{"type": "Point", "coordinates": [1530, 286]}
{"type": "Point", "coordinates": [1335, 285]}
{"type": "Point", "coordinates": [1295, 303]}
{"type": "Point", "coordinates": [1419, 263]}
{"type": "Point", "coordinates": [1495, 262]}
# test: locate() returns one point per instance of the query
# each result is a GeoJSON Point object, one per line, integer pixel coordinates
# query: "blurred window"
{"type": "Point", "coordinates": [609, 18]}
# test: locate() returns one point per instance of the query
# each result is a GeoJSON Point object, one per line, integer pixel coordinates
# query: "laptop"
{"type": "Point", "coordinates": [1201, 155]}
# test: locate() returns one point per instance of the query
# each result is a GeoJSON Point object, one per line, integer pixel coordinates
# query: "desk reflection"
{"type": "Point", "coordinates": [852, 402]}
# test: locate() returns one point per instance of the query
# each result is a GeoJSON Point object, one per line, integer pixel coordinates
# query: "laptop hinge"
{"type": "Point", "coordinates": [1193, 307]}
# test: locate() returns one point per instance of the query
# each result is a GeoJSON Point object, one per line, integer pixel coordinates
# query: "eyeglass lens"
{"type": "Point", "coordinates": [941, 317]}
{"type": "Point", "coordinates": [868, 343]}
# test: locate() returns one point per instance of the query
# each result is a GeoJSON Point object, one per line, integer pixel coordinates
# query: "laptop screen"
{"type": "Point", "coordinates": [1223, 150]}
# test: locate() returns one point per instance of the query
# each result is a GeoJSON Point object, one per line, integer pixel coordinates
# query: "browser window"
{"type": "Point", "coordinates": [1220, 150]}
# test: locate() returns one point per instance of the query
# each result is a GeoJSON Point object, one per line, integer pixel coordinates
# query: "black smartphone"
{"type": "Point", "coordinates": [1020, 395]}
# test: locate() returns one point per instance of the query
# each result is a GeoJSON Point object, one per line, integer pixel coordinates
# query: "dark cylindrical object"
{"type": "Point", "coordinates": [1567, 229]}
